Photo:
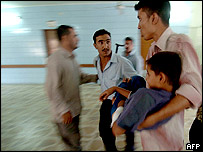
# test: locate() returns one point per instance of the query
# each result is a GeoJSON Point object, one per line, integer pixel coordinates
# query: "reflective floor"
{"type": "Point", "coordinates": [26, 122]}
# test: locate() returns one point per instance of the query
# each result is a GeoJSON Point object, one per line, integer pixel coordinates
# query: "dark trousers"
{"type": "Point", "coordinates": [195, 133]}
{"type": "Point", "coordinates": [70, 134]}
{"type": "Point", "coordinates": [106, 134]}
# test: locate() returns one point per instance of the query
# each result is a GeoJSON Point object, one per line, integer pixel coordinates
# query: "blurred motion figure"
{"type": "Point", "coordinates": [62, 85]}
{"type": "Point", "coordinates": [133, 56]}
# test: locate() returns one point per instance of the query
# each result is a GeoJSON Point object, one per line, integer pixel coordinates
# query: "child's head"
{"type": "Point", "coordinates": [163, 70]}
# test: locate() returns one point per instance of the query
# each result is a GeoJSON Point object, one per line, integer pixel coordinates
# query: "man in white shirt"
{"type": "Point", "coordinates": [111, 68]}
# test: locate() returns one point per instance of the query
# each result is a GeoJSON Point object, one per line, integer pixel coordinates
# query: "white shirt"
{"type": "Point", "coordinates": [115, 70]}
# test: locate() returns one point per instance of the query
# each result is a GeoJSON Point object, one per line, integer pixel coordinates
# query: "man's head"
{"type": "Point", "coordinates": [68, 37]}
{"type": "Point", "coordinates": [151, 16]}
{"type": "Point", "coordinates": [102, 42]}
{"type": "Point", "coordinates": [164, 68]}
{"type": "Point", "coordinates": [128, 44]}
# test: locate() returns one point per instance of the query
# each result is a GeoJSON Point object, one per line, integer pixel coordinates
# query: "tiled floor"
{"type": "Point", "coordinates": [26, 122]}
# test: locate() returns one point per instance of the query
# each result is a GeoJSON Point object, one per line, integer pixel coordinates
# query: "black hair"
{"type": "Point", "coordinates": [162, 8]}
{"type": "Point", "coordinates": [100, 32]}
{"type": "Point", "coordinates": [170, 64]}
{"type": "Point", "coordinates": [63, 30]}
{"type": "Point", "coordinates": [129, 39]}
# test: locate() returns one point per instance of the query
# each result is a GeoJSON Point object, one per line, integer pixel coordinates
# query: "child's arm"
{"type": "Point", "coordinates": [111, 90]}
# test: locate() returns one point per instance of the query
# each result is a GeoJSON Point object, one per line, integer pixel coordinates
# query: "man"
{"type": "Point", "coordinates": [62, 85]}
{"type": "Point", "coordinates": [111, 68]}
{"type": "Point", "coordinates": [154, 24]}
{"type": "Point", "coordinates": [133, 56]}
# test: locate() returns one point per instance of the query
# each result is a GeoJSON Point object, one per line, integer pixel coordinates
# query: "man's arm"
{"type": "Point", "coordinates": [177, 104]}
{"type": "Point", "coordinates": [86, 78]}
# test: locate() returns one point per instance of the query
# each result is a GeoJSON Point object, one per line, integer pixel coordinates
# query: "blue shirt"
{"type": "Point", "coordinates": [116, 69]}
{"type": "Point", "coordinates": [141, 103]}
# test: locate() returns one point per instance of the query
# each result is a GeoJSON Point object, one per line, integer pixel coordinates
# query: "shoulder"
{"type": "Point", "coordinates": [179, 38]}
{"type": "Point", "coordinates": [143, 92]}
{"type": "Point", "coordinates": [142, 95]}
{"type": "Point", "coordinates": [120, 58]}
{"type": "Point", "coordinates": [146, 92]}
{"type": "Point", "coordinates": [56, 54]}
{"type": "Point", "coordinates": [56, 58]}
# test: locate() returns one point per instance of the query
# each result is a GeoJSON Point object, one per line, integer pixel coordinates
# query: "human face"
{"type": "Point", "coordinates": [103, 45]}
{"type": "Point", "coordinates": [128, 46]}
{"type": "Point", "coordinates": [73, 39]}
{"type": "Point", "coordinates": [153, 80]}
{"type": "Point", "coordinates": [145, 25]}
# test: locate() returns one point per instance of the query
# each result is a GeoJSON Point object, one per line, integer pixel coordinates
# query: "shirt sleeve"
{"type": "Point", "coordinates": [191, 78]}
{"type": "Point", "coordinates": [86, 78]}
{"type": "Point", "coordinates": [135, 111]}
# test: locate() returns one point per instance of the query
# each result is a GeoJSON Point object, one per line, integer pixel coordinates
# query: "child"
{"type": "Point", "coordinates": [132, 84]}
{"type": "Point", "coordinates": [163, 73]}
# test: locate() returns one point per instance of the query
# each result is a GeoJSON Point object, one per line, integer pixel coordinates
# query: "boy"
{"type": "Point", "coordinates": [163, 73]}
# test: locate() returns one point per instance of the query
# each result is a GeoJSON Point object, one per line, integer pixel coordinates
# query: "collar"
{"type": "Point", "coordinates": [161, 43]}
{"type": "Point", "coordinates": [113, 58]}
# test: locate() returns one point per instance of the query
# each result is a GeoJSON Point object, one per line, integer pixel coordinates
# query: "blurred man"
{"type": "Point", "coordinates": [133, 56]}
{"type": "Point", "coordinates": [62, 85]}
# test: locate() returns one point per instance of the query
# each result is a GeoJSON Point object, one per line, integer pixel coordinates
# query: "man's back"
{"type": "Point", "coordinates": [62, 83]}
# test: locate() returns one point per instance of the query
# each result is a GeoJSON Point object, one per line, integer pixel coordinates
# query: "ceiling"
{"type": "Point", "coordinates": [12, 4]}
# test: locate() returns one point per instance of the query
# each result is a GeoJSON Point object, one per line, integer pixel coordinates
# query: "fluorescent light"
{"type": "Point", "coordinates": [10, 19]}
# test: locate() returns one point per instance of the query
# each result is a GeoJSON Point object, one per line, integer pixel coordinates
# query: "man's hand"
{"type": "Point", "coordinates": [67, 118]}
{"type": "Point", "coordinates": [107, 93]}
